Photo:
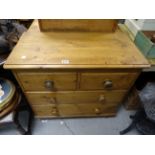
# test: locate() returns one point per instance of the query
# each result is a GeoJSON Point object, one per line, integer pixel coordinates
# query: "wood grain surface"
{"type": "Point", "coordinates": [99, 25]}
{"type": "Point", "coordinates": [74, 50]}
{"type": "Point", "coordinates": [74, 110]}
{"type": "Point", "coordinates": [72, 97]}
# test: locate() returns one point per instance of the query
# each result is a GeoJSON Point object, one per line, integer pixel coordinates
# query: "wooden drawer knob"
{"type": "Point", "coordinates": [108, 84]}
{"type": "Point", "coordinates": [54, 111]}
{"type": "Point", "coordinates": [49, 85]}
{"type": "Point", "coordinates": [102, 98]}
{"type": "Point", "coordinates": [97, 111]}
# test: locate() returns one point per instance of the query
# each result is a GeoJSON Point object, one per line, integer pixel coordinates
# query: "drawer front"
{"type": "Point", "coordinates": [107, 81]}
{"type": "Point", "coordinates": [45, 110]}
{"type": "Point", "coordinates": [71, 97]}
{"type": "Point", "coordinates": [74, 110]}
{"type": "Point", "coordinates": [41, 81]}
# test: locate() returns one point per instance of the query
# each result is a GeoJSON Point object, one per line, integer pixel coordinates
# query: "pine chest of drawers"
{"type": "Point", "coordinates": [75, 74]}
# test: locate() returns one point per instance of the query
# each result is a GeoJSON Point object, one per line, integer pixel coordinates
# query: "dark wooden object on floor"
{"type": "Point", "coordinates": [11, 106]}
{"type": "Point", "coordinates": [132, 101]}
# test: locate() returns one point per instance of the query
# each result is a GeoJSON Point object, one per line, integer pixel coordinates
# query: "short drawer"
{"type": "Point", "coordinates": [74, 110]}
{"type": "Point", "coordinates": [46, 81]}
{"type": "Point", "coordinates": [72, 97]}
{"type": "Point", "coordinates": [107, 81]}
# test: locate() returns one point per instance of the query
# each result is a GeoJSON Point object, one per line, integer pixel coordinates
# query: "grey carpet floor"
{"type": "Point", "coordinates": [78, 126]}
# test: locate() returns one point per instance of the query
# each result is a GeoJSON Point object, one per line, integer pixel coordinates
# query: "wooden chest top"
{"type": "Point", "coordinates": [74, 50]}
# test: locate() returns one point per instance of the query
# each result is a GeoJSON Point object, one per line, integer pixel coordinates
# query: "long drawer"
{"type": "Point", "coordinates": [106, 81]}
{"type": "Point", "coordinates": [72, 97]}
{"type": "Point", "coordinates": [74, 110]}
{"type": "Point", "coordinates": [47, 81]}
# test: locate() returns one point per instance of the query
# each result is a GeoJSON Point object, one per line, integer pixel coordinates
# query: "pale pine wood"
{"type": "Point", "coordinates": [72, 97]}
{"type": "Point", "coordinates": [95, 81]}
{"type": "Point", "coordinates": [84, 110]}
{"type": "Point", "coordinates": [78, 63]}
{"type": "Point", "coordinates": [35, 81]}
{"type": "Point", "coordinates": [81, 50]}
{"type": "Point", "coordinates": [45, 111]}
{"type": "Point", "coordinates": [99, 25]}
{"type": "Point", "coordinates": [74, 110]}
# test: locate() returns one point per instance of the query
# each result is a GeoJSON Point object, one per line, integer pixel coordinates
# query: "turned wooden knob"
{"type": "Point", "coordinates": [101, 98]}
{"type": "Point", "coordinates": [49, 85]}
{"type": "Point", "coordinates": [107, 84]}
{"type": "Point", "coordinates": [54, 111]}
{"type": "Point", "coordinates": [97, 111]}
